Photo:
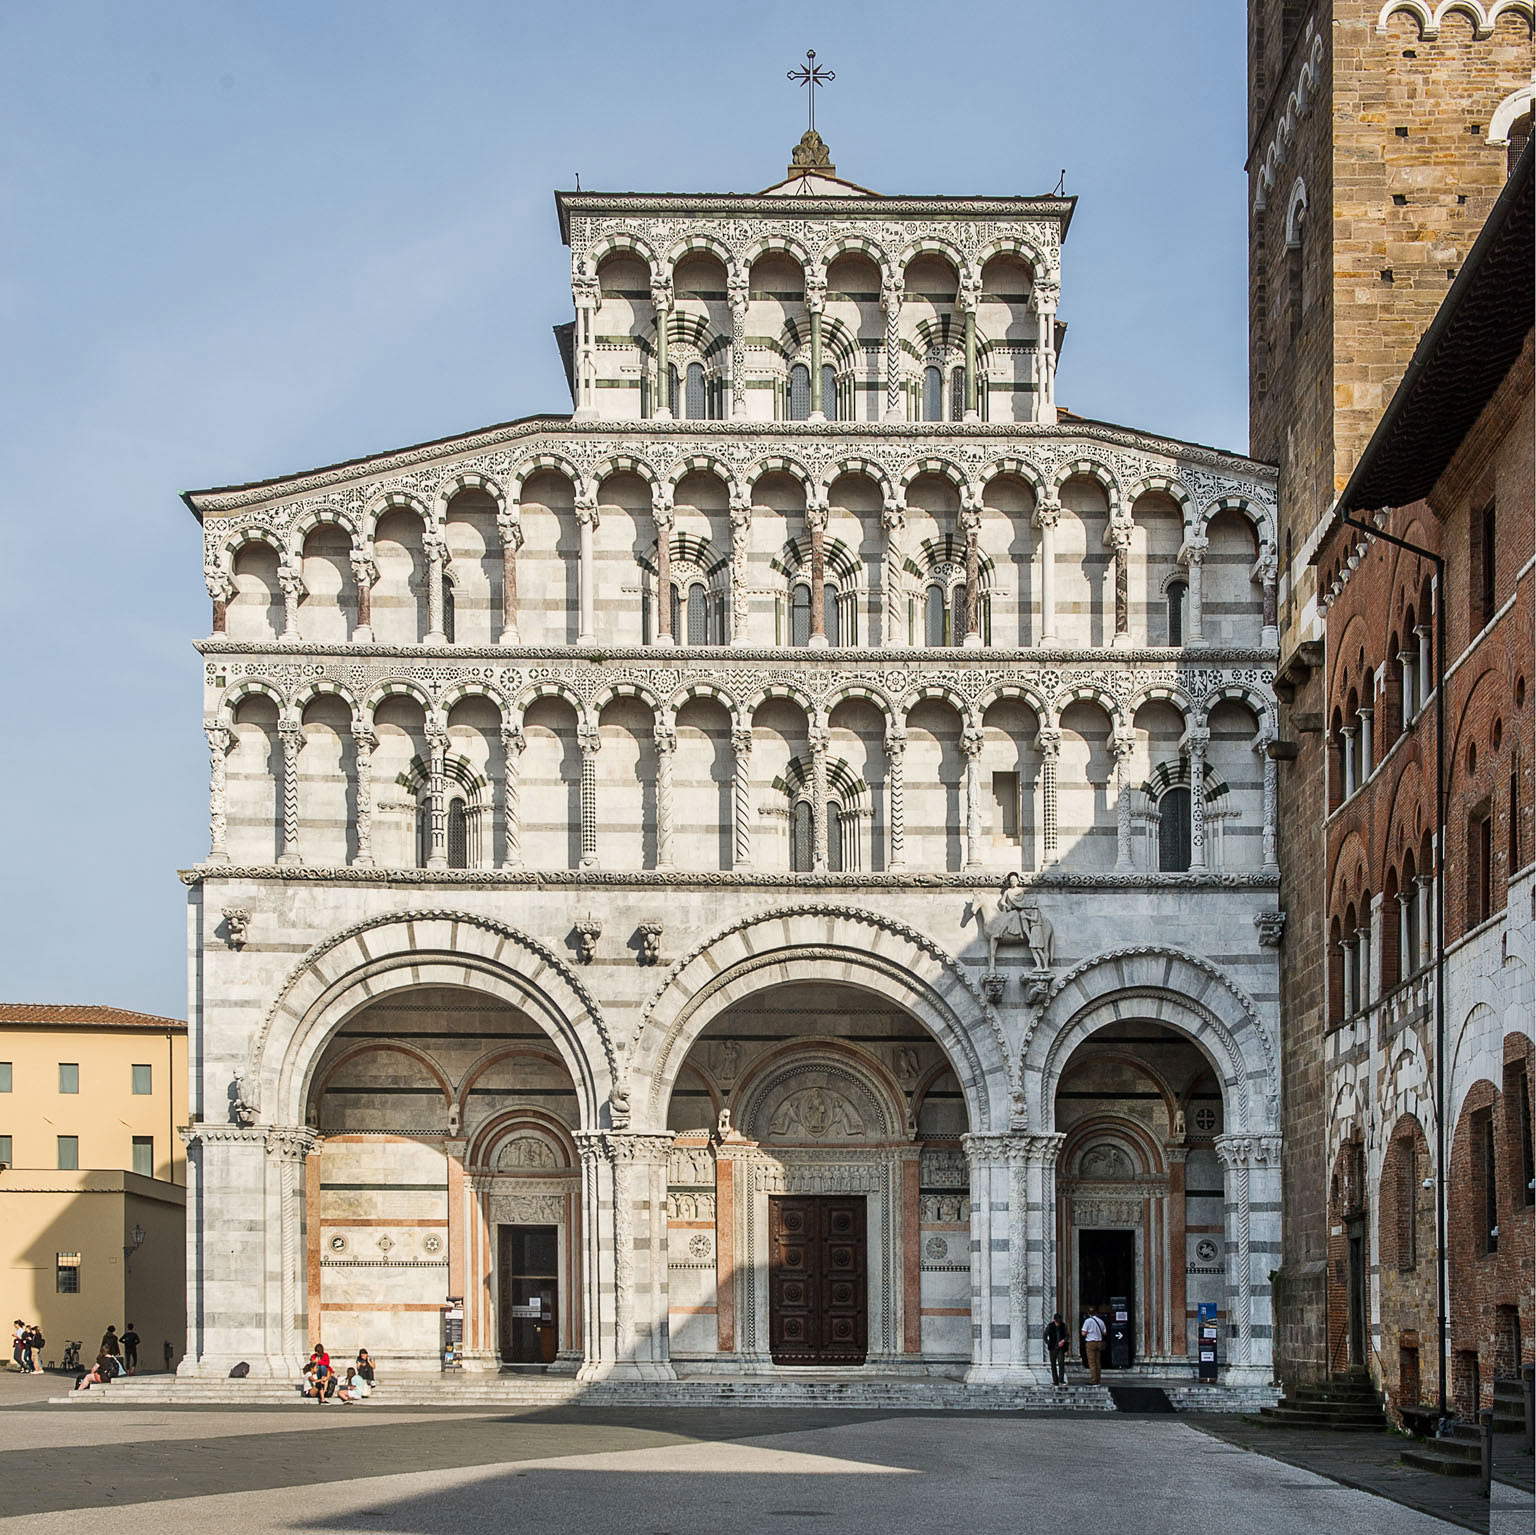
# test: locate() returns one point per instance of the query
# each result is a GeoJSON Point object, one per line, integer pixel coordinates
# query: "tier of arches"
{"type": "Point", "coordinates": [704, 780]}
{"type": "Point", "coordinates": [624, 558]}
{"type": "Point", "coordinates": [853, 332]}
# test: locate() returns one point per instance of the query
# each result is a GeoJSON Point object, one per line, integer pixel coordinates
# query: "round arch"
{"type": "Point", "coordinates": [406, 951]}
{"type": "Point", "coordinates": [1169, 987]}
{"type": "Point", "coordinates": [824, 944]}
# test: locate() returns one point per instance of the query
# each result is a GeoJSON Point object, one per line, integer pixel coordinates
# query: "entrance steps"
{"type": "Point", "coordinates": [1348, 1402]}
{"type": "Point", "coordinates": [521, 1391]}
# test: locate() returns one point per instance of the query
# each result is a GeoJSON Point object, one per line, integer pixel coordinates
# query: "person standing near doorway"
{"type": "Point", "coordinates": [130, 1348]}
{"type": "Point", "coordinates": [1093, 1343]}
{"type": "Point", "coordinates": [1056, 1340]}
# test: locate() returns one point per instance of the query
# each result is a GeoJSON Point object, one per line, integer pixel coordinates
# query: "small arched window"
{"type": "Point", "coordinates": [835, 859]}
{"type": "Point", "coordinates": [829, 391]}
{"type": "Point", "coordinates": [698, 615]}
{"type": "Point", "coordinates": [799, 392]}
{"type": "Point", "coordinates": [697, 397]}
{"type": "Point", "coordinates": [957, 395]}
{"type": "Point", "coordinates": [1177, 591]}
{"type": "Point", "coordinates": [801, 850]}
{"type": "Point", "coordinates": [458, 835]}
{"type": "Point", "coordinates": [935, 617]}
{"type": "Point", "coordinates": [933, 395]}
{"type": "Point", "coordinates": [1173, 830]}
{"type": "Point", "coordinates": [831, 615]}
{"type": "Point", "coordinates": [800, 614]}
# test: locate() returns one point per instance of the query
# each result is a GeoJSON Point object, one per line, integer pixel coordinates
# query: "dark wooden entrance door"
{"type": "Point", "coordinates": [528, 1285]}
{"type": "Point", "coordinates": [818, 1285]}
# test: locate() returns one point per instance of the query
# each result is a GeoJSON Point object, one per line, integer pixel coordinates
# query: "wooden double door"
{"type": "Point", "coordinates": [528, 1282]}
{"type": "Point", "coordinates": [818, 1280]}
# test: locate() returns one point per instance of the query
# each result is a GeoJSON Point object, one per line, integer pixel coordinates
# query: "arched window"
{"type": "Point", "coordinates": [800, 614]}
{"type": "Point", "coordinates": [697, 397]}
{"type": "Point", "coordinates": [448, 615]}
{"type": "Point", "coordinates": [1177, 591]}
{"type": "Point", "coordinates": [829, 391]}
{"type": "Point", "coordinates": [933, 395]}
{"type": "Point", "coordinates": [935, 617]}
{"type": "Point", "coordinates": [801, 850]}
{"type": "Point", "coordinates": [830, 615]}
{"type": "Point", "coordinates": [1295, 239]}
{"type": "Point", "coordinates": [1173, 831]}
{"type": "Point", "coordinates": [423, 832]}
{"type": "Point", "coordinates": [834, 836]}
{"type": "Point", "coordinates": [957, 613]}
{"type": "Point", "coordinates": [458, 835]}
{"type": "Point", "coordinates": [698, 615]}
{"type": "Point", "coordinates": [799, 392]}
{"type": "Point", "coordinates": [957, 395]}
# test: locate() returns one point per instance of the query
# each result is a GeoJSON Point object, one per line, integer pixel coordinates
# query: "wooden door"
{"type": "Point", "coordinates": [818, 1286]}
{"type": "Point", "coordinates": [528, 1287]}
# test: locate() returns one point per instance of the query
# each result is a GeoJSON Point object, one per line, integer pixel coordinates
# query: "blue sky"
{"type": "Point", "coordinates": [246, 239]}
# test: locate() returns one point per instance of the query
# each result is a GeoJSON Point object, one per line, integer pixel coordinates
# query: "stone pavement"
{"type": "Point", "coordinates": [1372, 1463]}
{"type": "Point", "coordinates": [653, 1472]}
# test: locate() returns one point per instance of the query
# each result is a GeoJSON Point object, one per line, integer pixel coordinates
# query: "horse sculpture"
{"type": "Point", "coordinates": [1013, 919]}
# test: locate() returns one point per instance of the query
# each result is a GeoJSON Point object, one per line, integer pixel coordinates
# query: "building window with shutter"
{"type": "Point", "coordinates": [69, 1077]}
{"type": "Point", "coordinates": [69, 1153]}
{"type": "Point", "coordinates": [458, 835]}
{"type": "Point", "coordinates": [144, 1155]}
{"type": "Point", "coordinates": [66, 1273]}
{"type": "Point", "coordinates": [799, 392]}
{"type": "Point", "coordinates": [800, 614]}
{"type": "Point", "coordinates": [933, 395]}
{"type": "Point", "coordinates": [143, 1081]}
{"type": "Point", "coordinates": [801, 854]}
{"type": "Point", "coordinates": [1173, 830]}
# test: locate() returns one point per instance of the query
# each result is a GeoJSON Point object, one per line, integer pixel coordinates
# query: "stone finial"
{"type": "Point", "coordinates": [811, 154]}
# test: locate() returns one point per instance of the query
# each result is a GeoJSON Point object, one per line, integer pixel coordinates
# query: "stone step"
{"type": "Point", "coordinates": [1291, 1416]}
{"type": "Point", "coordinates": [1446, 1457]}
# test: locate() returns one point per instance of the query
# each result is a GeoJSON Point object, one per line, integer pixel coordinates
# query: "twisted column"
{"type": "Point", "coordinates": [586, 520]}
{"type": "Point", "coordinates": [1124, 745]}
{"type": "Point", "coordinates": [292, 584]}
{"type": "Point", "coordinates": [1261, 744]}
{"type": "Point", "coordinates": [662, 517]}
{"type": "Point", "coordinates": [513, 742]}
{"type": "Point", "coordinates": [221, 588]}
{"type": "Point", "coordinates": [365, 575]}
{"type": "Point", "coordinates": [437, 794]}
{"type": "Point", "coordinates": [221, 741]}
{"type": "Point", "coordinates": [1118, 537]}
{"type": "Point", "coordinates": [665, 736]}
{"type": "Point", "coordinates": [815, 302]}
{"type": "Point", "coordinates": [1048, 744]}
{"type": "Point", "coordinates": [587, 740]}
{"type": "Point", "coordinates": [896, 792]}
{"type": "Point", "coordinates": [736, 292]}
{"type": "Point", "coordinates": [291, 735]}
{"type": "Point", "coordinates": [970, 527]}
{"type": "Point", "coordinates": [1195, 741]}
{"type": "Point", "coordinates": [818, 741]}
{"type": "Point", "coordinates": [1194, 563]}
{"type": "Point", "coordinates": [661, 302]}
{"type": "Point", "coordinates": [741, 795]}
{"type": "Point", "coordinates": [970, 294]}
{"type": "Point", "coordinates": [816, 514]}
{"type": "Point", "coordinates": [741, 552]}
{"type": "Point", "coordinates": [890, 306]}
{"type": "Point", "coordinates": [509, 523]}
{"type": "Point", "coordinates": [1047, 515]}
{"type": "Point", "coordinates": [893, 522]}
{"type": "Point", "coordinates": [365, 738]}
{"type": "Point", "coordinates": [435, 546]}
{"type": "Point", "coordinates": [971, 739]}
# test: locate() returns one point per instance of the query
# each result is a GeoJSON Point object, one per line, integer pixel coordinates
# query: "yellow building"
{"type": "Point", "coordinates": [92, 1175]}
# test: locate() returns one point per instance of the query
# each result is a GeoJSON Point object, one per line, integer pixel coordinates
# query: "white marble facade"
{"type": "Point", "coordinates": [610, 815]}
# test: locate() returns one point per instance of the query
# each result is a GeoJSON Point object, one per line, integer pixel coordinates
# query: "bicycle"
{"type": "Point", "coordinates": [71, 1359]}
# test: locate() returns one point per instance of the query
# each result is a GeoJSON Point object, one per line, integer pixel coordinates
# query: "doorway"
{"type": "Point", "coordinates": [818, 1286]}
{"type": "Point", "coordinates": [528, 1289]}
{"type": "Point", "coordinates": [1106, 1271]}
{"type": "Point", "coordinates": [1356, 1233]}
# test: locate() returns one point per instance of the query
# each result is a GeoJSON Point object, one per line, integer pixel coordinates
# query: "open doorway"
{"type": "Point", "coordinates": [1106, 1278]}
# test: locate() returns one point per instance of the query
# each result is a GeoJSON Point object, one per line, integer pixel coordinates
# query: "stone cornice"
{"type": "Point", "coordinates": [730, 204]}
{"type": "Point", "coordinates": [1000, 439]}
{"type": "Point", "coordinates": [713, 657]}
{"type": "Point", "coordinates": [729, 878]}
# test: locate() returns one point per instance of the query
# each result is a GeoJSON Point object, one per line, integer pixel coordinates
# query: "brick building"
{"type": "Point", "coordinates": [1379, 138]}
{"type": "Point", "coordinates": [1428, 1036]}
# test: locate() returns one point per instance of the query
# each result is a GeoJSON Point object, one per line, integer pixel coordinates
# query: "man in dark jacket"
{"type": "Point", "coordinates": [1057, 1340]}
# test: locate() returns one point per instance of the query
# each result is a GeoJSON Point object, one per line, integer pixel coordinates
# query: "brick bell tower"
{"type": "Point", "coordinates": [1379, 134]}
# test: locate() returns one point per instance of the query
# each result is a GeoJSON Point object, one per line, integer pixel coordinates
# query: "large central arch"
{"type": "Point", "coordinates": [833, 944]}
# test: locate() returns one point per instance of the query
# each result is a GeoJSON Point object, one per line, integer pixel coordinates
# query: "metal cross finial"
{"type": "Point", "coordinates": [810, 75]}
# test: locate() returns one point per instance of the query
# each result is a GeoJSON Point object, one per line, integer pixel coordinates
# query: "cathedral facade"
{"type": "Point", "coordinates": [773, 869]}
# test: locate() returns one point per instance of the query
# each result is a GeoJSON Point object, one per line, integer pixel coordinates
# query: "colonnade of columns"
{"type": "Point", "coordinates": [815, 519]}
{"type": "Point", "coordinates": [587, 294]}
